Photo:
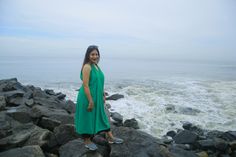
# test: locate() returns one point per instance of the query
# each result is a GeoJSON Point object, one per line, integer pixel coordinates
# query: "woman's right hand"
{"type": "Point", "coordinates": [90, 106]}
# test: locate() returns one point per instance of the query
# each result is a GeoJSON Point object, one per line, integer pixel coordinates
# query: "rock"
{"type": "Point", "coordinates": [26, 134]}
{"type": "Point", "coordinates": [115, 97]}
{"type": "Point", "coordinates": [117, 117]}
{"type": "Point", "coordinates": [58, 114]}
{"type": "Point", "coordinates": [170, 108]}
{"type": "Point", "coordinates": [187, 125]}
{"type": "Point", "coordinates": [49, 92]}
{"type": "Point", "coordinates": [136, 143]}
{"type": "Point", "coordinates": [229, 135]}
{"type": "Point", "coordinates": [179, 152]}
{"type": "Point", "coordinates": [2, 103]}
{"type": "Point", "coordinates": [206, 144]}
{"type": "Point", "coordinates": [221, 144]}
{"type": "Point", "coordinates": [131, 123]}
{"type": "Point", "coordinates": [214, 134]}
{"type": "Point", "coordinates": [49, 102]}
{"type": "Point", "coordinates": [60, 96]}
{"type": "Point", "coordinates": [9, 85]}
{"type": "Point", "coordinates": [29, 102]}
{"type": "Point", "coordinates": [6, 124]}
{"type": "Point", "coordinates": [171, 133]}
{"type": "Point", "coordinates": [108, 106]}
{"type": "Point", "coordinates": [49, 123]}
{"type": "Point", "coordinates": [185, 137]}
{"type": "Point", "coordinates": [65, 133]}
{"type": "Point", "coordinates": [69, 106]}
{"type": "Point", "coordinates": [20, 113]}
{"type": "Point", "coordinates": [76, 148]}
{"type": "Point", "coordinates": [233, 145]}
{"type": "Point", "coordinates": [26, 151]}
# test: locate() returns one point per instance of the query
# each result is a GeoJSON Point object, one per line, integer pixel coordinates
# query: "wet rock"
{"type": "Point", "coordinates": [131, 123]}
{"type": "Point", "coordinates": [60, 96]}
{"type": "Point", "coordinates": [170, 108]}
{"type": "Point", "coordinates": [50, 92]}
{"type": "Point", "coordinates": [171, 133]}
{"type": "Point", "coordinates": [117, 117]}
{"type": "Point", "coordinates": [26, 151]}
{"type": "Point", "coordinates": [185, 137]}
{"type": "Point", "coordinates": [115, 97]}
{"type": "Point", "coordinates": [187, 125]}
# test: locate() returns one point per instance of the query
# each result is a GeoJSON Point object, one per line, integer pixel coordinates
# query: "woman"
{"type": "Point", "coordinates": [90, 116]}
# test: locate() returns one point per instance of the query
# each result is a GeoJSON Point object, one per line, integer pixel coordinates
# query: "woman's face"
{"type": "Point", "coordinates": [94, 56]}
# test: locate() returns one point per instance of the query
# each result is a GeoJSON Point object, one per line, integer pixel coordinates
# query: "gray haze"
{"type": "Point", "coordinates": [169, 29]}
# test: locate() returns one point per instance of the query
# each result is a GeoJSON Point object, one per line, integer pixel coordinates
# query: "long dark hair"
{"type": "Point", "coordinates": [87, 54]}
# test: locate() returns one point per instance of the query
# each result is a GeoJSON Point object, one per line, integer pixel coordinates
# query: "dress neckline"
{"type": "Point", "coordinates": [95, 67]}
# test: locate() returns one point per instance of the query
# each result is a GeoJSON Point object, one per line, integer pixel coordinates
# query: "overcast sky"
{"type": "Point", "coordinates": [155, 29]}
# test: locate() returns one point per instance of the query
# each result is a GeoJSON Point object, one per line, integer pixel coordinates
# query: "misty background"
{"type": "Point", "coordinates": [185, 30]}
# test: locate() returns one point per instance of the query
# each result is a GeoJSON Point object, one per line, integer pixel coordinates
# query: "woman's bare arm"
{"type": "Point", "coordinates": [86, 75]}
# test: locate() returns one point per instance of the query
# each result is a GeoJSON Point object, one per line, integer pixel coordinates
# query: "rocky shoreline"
{"type": "Point", "coordinates": [40, 123]}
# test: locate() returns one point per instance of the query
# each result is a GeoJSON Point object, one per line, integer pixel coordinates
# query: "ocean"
{"type": "Point", "coordinates": [160, 95]}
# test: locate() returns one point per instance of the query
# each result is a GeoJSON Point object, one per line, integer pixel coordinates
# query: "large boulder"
{"type": "Point", "coordinates": [26, 134]}
{"type": "Point", "coordinates": [185, 137]}
{"type": "Point", "coordinates": [26, 151]}
{"type": "Point", "coordinates": [65, 133]}
{"type": "Point", "coordinates": [136, 144]}
{"type": "Point", "coordinates": [76, 148]}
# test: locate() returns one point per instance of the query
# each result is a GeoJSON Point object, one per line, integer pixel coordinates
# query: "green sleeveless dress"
{"type": "Point", "coordinates": [96, 120]}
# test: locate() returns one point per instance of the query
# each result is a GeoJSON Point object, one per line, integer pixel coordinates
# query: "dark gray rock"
{"type": "Point", "coordinates": [179, 152]}
{"type": "Point", "coordinates": [136, 144]}
{"type": "Point", "coordinates": [171, 133]}
{"type": "Point", "coordinates": [48, 123]}
{"type": "Point", "coordinates": [50, 92]}
{"type": "Point", "coordinates": [69, 106]}
{"type": "Point", "coordinates": [29, 102]}
{"type": "Point", "coordinates": [187, 125]}
{"type": "Point", "coordinates": [6, 124]}
{"type": "Point", "coordinates": [76, 148]}
{"type": "Point", "coordinates": [26, 151]}
{"type": "Point", "coordinates": [170, 108]}
{"type": "Point", "coordinates": [185, 137]}
{"type": "Point", "coordinates": [115, 97]}
{"type": "Point", "coordinates": [117, 117]}
{"type": "Point", "coordinates": [65, 133]}
{"type": "Point", "coordinates": [60, 96]}
{"type": "Point", "coordinates": [20, 113]}
{"type": "Point", "coordinates": [206, 144]}
{"type": "Point", "coordinates": [57, 114]}
{"type": "Point", "coordinates": [133, 123]}
{"type": "Point", "coordinates": [229, 135]}
{"type": "Point", "coordinates": [214, 134]}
